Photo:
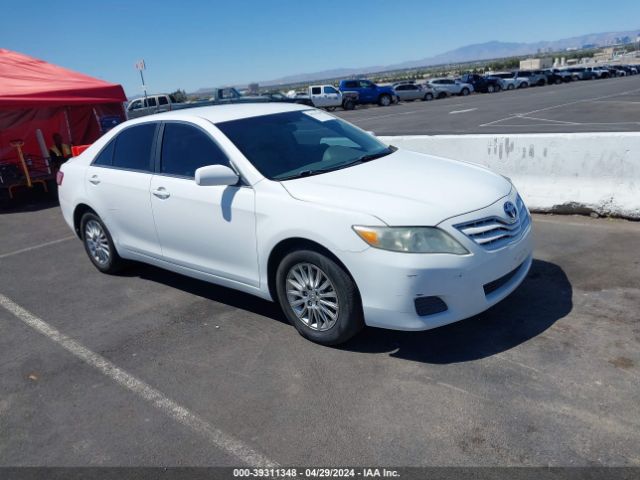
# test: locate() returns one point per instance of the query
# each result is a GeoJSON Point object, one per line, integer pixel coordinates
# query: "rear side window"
{"type": "Point", "coordinates": [351, 84]}
{"type": "Point", "coordinates": [186, 148]}
{"type": "Point", "coordinates": [151, 102]}
{"type": "Point", "coordinates": [315, 91]}
{"type": "Point", "coordinates": [106, 155]}
{"type": "Point", "coordinates": [163, 101]}
{"type": "Point", "coordinates": [133, 147]}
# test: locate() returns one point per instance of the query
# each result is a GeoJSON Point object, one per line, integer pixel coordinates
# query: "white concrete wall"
{"type": "Point", "coordinates": [571, 172]}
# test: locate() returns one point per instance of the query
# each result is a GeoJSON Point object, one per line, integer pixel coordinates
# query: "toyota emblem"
{"type": "Point", "coordinates": [511, 211]}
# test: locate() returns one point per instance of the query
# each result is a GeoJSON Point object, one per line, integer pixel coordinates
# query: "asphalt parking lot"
{"type": "Point", "coordinates": [151, 368]}
{"type": "Point", "coordinates": [611, 105]}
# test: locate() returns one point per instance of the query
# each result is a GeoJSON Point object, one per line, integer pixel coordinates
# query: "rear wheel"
{"type": "Point", "coordinates": [510, 86]}
{"type": "Point", "coordinates": [318, 297]}
{"type": "Point", "coordinates": [99, 245]}
{"type": "Point", "coordinates": [428, 97]}
{"type": "Point", "coordinates": [384, 100]}
{"type": "Point", "coordinates": [465, 91]}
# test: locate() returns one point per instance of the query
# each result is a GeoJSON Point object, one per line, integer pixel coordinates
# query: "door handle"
{"type": "Point", "coordinates": [161, 193]}
{"type": "Point", "coordinates": [94, 179]}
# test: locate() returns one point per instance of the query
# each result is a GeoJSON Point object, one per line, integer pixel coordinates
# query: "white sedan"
{"type": "Point", "coordinates": [292, 204]}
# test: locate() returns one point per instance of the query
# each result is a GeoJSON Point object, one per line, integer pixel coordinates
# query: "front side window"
{"type": "Point", "coordinates": [136, 105]}
{"type": "Point", "coordinates": [133, 147]}
{"type": "Point", "coordinates": [150, 102]}
{"type": "Point", "coordinates": [186, 148]}
{"type": "Point", "coordinates": [300, 143]}
{"type": "Point", "coordinates": [366, 84]}
{"type": "Point", "coordinates": [329, 89]}
{"type": "Point", "coordinates": [163, 101]}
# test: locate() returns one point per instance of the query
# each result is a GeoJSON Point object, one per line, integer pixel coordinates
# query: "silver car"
{"type": "Point", "coordinates": [408, 92]}
{"type": "Point", "coordinates": [449, 86]}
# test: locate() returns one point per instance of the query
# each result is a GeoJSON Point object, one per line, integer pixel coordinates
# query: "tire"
{"type": "Point", "coordinates": [316, 324]}
{"type": "Point", "coordinates": [498, 88]}
{"type": "Point", "coordinates": [99, 245]}
{"type": "Point", "coordinates": [524, 85]}
{"type": "Point", "coordinates": [465, 92]}
{"type": "Point", "coordinates": [349, 105]}
{"type": "Point", "coordinates": [541, 83]}
{"type": "Point", "coordinates": [384, 100]}
{"type": "Point", "coordinates": [442, 95]}
{"type": "Point", "coordinates": [558, 81]}
{"type": "Point", "coordinates": [428, 97]}
{"type": "Point", "coordinates": [511, 86]}
{"type": "Point", "coordinates": [490, 89]}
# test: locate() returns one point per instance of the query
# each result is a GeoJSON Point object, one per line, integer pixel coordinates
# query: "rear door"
{"type": "Point", "coordinates": [317, 97]}
{"type": "Point", "coordinates": [164, 105]}
{"type": "Point", "coordinates": [117, 184]}
{"type": "Point", "coordinates": [207, 229]}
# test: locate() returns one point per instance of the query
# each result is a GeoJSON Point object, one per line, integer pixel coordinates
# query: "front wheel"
{"type": "Point", "coordinates": [490, 89]}
{"type": "Point", "coordinates": [384, 100]}
{"type": "Point", "coordinates": [99, 245]}
{"type": "Point", "coordinates": [510, 86]}
{"type": "Point", "coordinates": [428, 97]}
{"type": "Point", "coordinates": [318, 297]}
{"type": "Point", "coordinates": [465, 91]}
{"type": "Point", "coordinates": [349, 105]}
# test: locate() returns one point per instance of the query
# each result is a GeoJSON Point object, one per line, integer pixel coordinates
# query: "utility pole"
{"type": "Point", "coordinates": [140, 66]}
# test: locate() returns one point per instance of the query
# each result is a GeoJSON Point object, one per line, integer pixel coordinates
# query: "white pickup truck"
{"type": "Point", "coordinates": [327, 97]}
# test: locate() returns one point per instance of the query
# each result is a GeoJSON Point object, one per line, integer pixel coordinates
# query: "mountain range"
{"type": "Point", "coordinates": [468, 53]}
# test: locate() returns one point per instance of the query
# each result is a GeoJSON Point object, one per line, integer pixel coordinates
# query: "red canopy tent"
{"type": "Point", "coordinates": [36, 95]}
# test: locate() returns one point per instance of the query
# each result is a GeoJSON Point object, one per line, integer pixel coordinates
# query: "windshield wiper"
{"type": "Point", "coordinates": [373, 156]}
{"type": "Point", "coordinates": [306, 173]}
{"type": "Point", "coordinates": [363, 159]}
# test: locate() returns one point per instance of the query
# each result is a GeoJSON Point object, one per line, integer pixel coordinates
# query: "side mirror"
{"type": "Point", "coordinates": [212, 175]}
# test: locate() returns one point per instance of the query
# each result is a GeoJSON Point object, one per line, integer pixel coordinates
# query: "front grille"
{"type": "Point", "coordinates": [500, 282]}
{"type": "Point", "coordinates": [429, 305]}
{"type": "Point", "coordinates": [494, 232]}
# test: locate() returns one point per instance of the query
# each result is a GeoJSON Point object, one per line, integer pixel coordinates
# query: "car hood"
{"type": "Point", "coordinates": [404, 188]}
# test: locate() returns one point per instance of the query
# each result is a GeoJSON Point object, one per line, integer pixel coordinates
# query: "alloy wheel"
{"type": "Point", "coordinates": [312, 296]}
{"type": "Point", "coordinates": [97, 242]}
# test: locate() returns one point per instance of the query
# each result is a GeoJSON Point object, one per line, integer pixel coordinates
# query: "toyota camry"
{"type": "Point", "coordinates": [294, 205]}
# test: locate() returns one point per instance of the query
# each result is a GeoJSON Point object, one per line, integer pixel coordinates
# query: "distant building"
{"type": "Point", "coordinates": [536, 63]}
{"type": "Point", "coordinates": [604, 55]}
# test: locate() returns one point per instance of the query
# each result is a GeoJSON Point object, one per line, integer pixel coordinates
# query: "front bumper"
{"type": "Point", "coordinates": [390, 282]}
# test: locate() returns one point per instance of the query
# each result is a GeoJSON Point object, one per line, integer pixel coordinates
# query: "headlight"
{"type": "Point", "coordinates": [410, 239]}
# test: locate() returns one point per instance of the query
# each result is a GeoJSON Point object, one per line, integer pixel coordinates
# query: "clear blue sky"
{"type": "Point", "coordinates": [190, 44]}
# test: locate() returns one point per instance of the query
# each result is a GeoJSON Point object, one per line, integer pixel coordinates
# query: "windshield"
{"type": "Point", "coordinates": [301, 143]}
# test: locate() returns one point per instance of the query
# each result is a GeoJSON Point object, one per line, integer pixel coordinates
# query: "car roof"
{"type": "Point", "coordinates": [225, 113]}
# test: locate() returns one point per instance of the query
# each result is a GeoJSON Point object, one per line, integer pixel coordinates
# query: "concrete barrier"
{"type": "Point", "coordinates": [563, 173]}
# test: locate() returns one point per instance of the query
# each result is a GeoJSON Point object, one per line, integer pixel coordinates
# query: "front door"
{"type": "Point", "coordinates": [208, 229]}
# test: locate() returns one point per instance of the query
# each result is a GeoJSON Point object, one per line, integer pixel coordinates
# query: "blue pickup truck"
{"type": "Point", "coordinates": [369, 92]}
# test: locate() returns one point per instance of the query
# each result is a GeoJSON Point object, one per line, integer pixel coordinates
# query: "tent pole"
{"type": "Point", "coordinates": [66, 119]}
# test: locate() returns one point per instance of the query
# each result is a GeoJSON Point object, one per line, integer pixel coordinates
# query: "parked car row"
{"type": "Point", "coordinates": [352, 92]}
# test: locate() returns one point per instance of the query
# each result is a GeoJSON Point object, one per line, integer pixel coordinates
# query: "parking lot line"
{"type": "Point", "coordinates": [180, 414]}
{"type": "Point", "coordinates": [35, 247]}
{"type": "Point", "coordinates": [553, 107]}
{"type": "Point", "coordinates": [463, 111]}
